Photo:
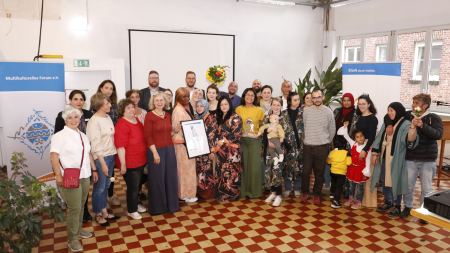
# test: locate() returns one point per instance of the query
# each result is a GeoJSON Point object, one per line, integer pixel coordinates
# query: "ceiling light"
{"type": "Point", "coordinates": [272, 2]}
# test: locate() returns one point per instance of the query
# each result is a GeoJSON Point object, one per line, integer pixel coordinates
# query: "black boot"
{"type": "Point", "coordinates": [395, 212]}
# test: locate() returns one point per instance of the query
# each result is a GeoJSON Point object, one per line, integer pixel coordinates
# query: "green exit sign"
{"type": "Point", "coordinates": [81, 63]}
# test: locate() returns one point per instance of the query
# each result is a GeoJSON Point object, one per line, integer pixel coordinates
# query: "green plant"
{"type": "Point", "coordinates": [330, 82]}
{"type": "Point", "coordinates": [23, 202]}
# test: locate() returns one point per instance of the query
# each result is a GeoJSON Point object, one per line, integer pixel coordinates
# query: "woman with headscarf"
{"type": "Point", "coordinates": [343, 114]}
{"type": "Point", "coordinates": [388, 158]}
{"type": "Point", "coordinates": [204, 164]}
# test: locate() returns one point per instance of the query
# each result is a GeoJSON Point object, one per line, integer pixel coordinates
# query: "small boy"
{"type": "Point", "coordinates": [339, 160]}
{"type": "Point", "coordinates": [275, 134]}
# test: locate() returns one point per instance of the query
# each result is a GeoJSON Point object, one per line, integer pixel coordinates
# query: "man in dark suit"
{"type": "Point", "coordinates": [153, 88]}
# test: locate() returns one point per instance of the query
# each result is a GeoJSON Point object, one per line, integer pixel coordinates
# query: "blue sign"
{"type": "Point", "coordinates": [31, 76]}
{"type": "Point", "coordinates": [380, 69]}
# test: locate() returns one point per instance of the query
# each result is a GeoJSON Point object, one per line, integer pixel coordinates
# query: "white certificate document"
{"type": "Point", "coordinates": [195, 138]}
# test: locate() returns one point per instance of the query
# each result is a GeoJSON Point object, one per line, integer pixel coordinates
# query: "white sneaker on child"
{"type": "Point", "coordinates": [277, 201]}
{"type": "Point", "coordinates": [270, 198]}
{"type": "Point", "coordinates": [281, 158]}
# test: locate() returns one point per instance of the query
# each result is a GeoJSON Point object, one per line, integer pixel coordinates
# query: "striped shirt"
{"type": "Point", "coordinates": [319, 125]}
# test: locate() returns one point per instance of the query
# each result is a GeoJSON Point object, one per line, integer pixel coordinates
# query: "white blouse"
{"type": "Point", "coordinates": [67, 144]}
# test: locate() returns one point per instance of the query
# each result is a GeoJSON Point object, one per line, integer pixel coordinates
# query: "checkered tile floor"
{"type": "Point", "coordinates": [254, 226]}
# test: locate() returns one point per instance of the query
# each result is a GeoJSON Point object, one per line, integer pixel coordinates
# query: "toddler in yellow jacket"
{"type": "Point", "coordinates": [339, 160]}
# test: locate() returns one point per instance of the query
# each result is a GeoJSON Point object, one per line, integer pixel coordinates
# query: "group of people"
{"type": "Point", "coordinates": [258, 142]}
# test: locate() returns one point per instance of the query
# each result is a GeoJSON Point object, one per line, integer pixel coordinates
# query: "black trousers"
{"type": "Point", "coordinates": [337, 185]}
{"type": "Point", "coordinates": [314, 159]}
{"type": "Point", "coordinates": [133, 178]}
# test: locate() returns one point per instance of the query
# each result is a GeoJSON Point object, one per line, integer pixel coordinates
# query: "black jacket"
{"type": "Point", "coordinates": [432, 130]}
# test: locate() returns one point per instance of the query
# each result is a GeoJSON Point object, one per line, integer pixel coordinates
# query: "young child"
{"type": "Point", "coordinates": [275, 134]}
{"type": "Point", "coordinates": [339, 161]}
{"type": "Point", "coordinates": [359, 171]}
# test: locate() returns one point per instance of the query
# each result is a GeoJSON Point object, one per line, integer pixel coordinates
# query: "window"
{"type": "Point", "coordinates": [419, 54]}
{"type": "Point", "coordinates": [381, 53]}
{"type": "Point", "coordinates": [435, 60]}
{"type": "Point", "coordinates": [353, 54]}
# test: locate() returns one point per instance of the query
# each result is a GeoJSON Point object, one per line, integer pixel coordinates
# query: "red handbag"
{"type": "Point", "coordinates": [71, 178]}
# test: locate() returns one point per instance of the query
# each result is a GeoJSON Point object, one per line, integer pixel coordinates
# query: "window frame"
{"type": "Point", "coordinates": [377, 52]}
{"type": "Point", "coordinates": [355, 53]}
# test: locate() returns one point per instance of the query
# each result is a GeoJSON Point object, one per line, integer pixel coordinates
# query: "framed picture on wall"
{"type": "Point", "coordinates": [195, 137]}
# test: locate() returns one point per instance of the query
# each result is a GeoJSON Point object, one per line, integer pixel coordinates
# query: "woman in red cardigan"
{"type": "Point", "coordinates": [162, 168]}
{"type": "Point", "coordinates": [131, 149]}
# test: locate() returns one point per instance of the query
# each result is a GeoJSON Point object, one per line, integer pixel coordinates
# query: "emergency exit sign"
{"type": "Point", "coordinates": [81, 63]}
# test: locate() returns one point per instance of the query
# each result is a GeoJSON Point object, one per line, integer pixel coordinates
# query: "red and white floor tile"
{"type": "Point", "coordinates": [254, 226]}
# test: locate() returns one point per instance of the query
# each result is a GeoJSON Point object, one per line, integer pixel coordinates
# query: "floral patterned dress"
{"type": "Point", "coordinates": [273, 176]}
{"type": "Point", "coordinates": [206, 183]}
{"type": "Point", "coordinates": [229, 167]}
{"type": "Point", "coordinates": [293, 159]}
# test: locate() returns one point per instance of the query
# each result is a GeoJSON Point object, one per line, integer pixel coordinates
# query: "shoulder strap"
{"type": "Point", "coordinates": [82, 152]}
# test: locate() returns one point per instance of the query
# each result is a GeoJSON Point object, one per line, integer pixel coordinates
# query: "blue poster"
{"type": "Point", "coordinates": [31, 95]}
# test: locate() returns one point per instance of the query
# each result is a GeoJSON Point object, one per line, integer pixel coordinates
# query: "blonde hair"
{"type": "Point", "coordinates": [98, 100]}
{"type": "Point", "coordinates": [151, 103]}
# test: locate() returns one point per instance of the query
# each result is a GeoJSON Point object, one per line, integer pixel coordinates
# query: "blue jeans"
{"type": "Point", "coordinates": [100, 190]}
{"type": "Point", "coordinates": [425, 171]}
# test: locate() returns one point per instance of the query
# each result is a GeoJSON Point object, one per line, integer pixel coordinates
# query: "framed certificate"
{"type": "Point", "coordinates": [195, 138]}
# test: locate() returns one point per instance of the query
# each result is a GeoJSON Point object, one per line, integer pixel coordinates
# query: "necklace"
{"type": "Point", "coordinates": [159, 114]}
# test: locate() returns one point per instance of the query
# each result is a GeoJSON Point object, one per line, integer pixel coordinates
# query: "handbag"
{"type": "Point", "coordinates": [71, 178]}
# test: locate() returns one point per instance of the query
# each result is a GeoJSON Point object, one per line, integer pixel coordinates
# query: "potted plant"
{"type": "Point", "coordinates": [23, 202]}
{"type": "Point", "coordinates": [329, 81]}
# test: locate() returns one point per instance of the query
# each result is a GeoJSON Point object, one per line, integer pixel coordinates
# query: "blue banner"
{"type": "Point", "coordinates": [31, 76]}
{"type": "Point", "coordinates": [380, 69]}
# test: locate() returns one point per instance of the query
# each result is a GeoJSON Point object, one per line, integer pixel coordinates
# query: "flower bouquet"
{"type": "Point", "coordinates": [416, 112]}
{"type": "Point", "coordinates": [216, 74]}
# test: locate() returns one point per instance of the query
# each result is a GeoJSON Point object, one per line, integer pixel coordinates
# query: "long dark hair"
{"type": "Point", "coordinates": [289, 98]}
{"type": "Point", "coordinates": [255, 100]}
{"type": "Point", "coordinates": [113, 97]}
{"type": "Point", "coordinates": [372, 108]}
{"type": "Point", "coordinates": [219, 114]}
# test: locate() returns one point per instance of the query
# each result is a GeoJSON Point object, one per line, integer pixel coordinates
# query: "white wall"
{"type": "Point", "coordinates": [385, 15]}
{"type": "Point", "coordinates": [271, 41]}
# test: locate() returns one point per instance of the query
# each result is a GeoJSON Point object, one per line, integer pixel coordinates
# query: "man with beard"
{"type": "Point", "coordinates": [256, 86]}
{"type": "Point", "coordinates": [319, 127]}
{"type": "Point", "coordinates": [153, 88]}
{"type": "Point", "coordinates": [232, 94]}
{"type": "Point", "coordinates": [190, 82]}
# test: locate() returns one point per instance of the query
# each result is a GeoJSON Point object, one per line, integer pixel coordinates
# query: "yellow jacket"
{"type": "Point", "coordinates": [339, 161]}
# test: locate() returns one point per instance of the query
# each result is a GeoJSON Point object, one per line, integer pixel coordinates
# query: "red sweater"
{"type": "Point", "coordinates": [131, 137]}
{"type": "Point", "coordinates": [158, 131]}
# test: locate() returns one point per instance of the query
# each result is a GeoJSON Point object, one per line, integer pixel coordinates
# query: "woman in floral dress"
{"type": "Point", "coordinates": [228, 153]}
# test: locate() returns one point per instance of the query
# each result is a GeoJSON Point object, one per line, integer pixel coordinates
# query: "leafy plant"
{"type": "Point", "coordinates": [22, 206]}
{"type": "Point", "coordinates": [329, 81]}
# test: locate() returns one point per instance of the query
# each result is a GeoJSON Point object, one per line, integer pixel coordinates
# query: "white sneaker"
{"type": "Point", "coordinates": [297, 193]}
{"type": "Point", "coordinates": [191, 200]}
{"type": "Point", "coordinates": [270, 198]}
{"type": "Point", "coordinates": [281, 158]}
{"type": "Point", "coordinates": [135, 216]}
{"type": "Point", "coordinates": [141, 209]}
{"type": "Point", "coordinates": [277, 201]}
